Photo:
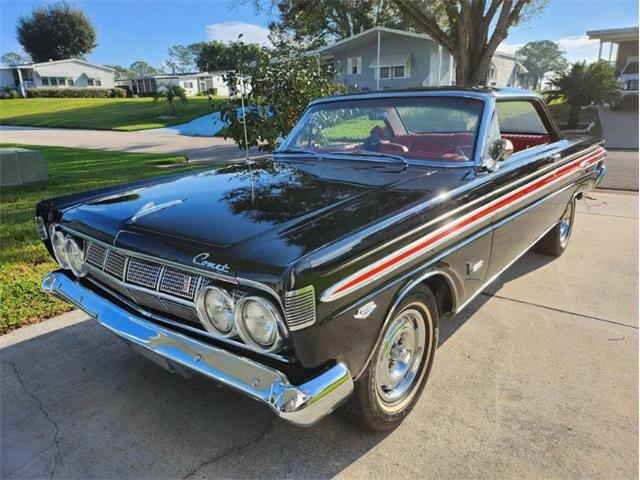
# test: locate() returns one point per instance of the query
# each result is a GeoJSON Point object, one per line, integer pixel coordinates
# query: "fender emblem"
{"type": "Point", "coordinates": [202, 260]}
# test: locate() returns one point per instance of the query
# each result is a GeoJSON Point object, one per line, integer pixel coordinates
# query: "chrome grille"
{"type": "Point", "coordinates": [143, 273]}
{"type": "Point", "coordinates": [115, 264]}
{"type": "Point", "coordinates": [179, 283]}
{"type": "Point", "coordinates": [180, 310]}
{"type": "Point", "coordinates": [146, 300]}
{"type": "Point", "coordinates": [300, 308]}
{"type": "Point", "coordinates": [96, 254]}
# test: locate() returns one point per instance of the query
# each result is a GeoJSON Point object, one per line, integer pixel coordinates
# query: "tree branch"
{"type": "Point", "coordinates": [429, 25]}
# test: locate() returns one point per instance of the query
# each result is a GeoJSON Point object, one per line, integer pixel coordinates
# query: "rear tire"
{"type": "Point", "coordinates": [398, 370]}
{"type": "Point", "coordinates": [555, 242]}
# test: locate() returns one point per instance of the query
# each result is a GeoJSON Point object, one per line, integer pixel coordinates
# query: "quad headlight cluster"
{"type": "Point", "coordinates": [69, 251]}
{"type": "Point", "coordinates": [256, 320]}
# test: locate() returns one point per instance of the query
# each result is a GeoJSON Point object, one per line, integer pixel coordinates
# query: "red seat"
{"type": "Point", "coordinates": [522, 141]}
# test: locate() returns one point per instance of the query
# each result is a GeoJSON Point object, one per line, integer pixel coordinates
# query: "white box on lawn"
{"type": "Point", "coordinates": [20, 165]}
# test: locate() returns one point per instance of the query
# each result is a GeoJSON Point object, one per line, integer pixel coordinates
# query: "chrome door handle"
{"type": "Point", "coordinates": [553, 158]}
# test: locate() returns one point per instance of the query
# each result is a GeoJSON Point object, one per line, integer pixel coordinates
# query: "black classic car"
{"type": "Point", "coordinates": [320, 274]}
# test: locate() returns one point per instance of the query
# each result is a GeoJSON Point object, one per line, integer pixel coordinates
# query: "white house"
{"type": "Point", "coordinates": [56, 74]}
{"type": "Point", "coordinates": [407, 60]}
{"type": "Point", "coordinates": [193, 83]}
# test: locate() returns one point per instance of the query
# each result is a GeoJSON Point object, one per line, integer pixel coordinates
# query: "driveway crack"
{"type": "Point", "coordinates": [231, 450]}
{"type": "Point", "coordinates": [56, 440]}
{"type": "Point", "coordinates": [559, 310]}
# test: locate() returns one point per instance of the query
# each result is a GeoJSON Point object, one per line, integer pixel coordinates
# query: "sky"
{"type": "Point", "coordinates": [144, 29]}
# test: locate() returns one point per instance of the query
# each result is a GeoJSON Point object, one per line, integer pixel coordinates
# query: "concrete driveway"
{"type": "Point", "coordinates": [197, 149]}
{"type": "Point", "coordinates": [620, 128]}
{"type": "Point", "coordinates": [538, 378]}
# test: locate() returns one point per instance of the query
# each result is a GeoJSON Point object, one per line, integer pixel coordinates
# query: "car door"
{"type": "Point", "coordinates": [529, 200]}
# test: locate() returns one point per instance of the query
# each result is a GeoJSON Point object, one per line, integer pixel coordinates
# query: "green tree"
{"type": "Point", "coordinates": [311, 23]}
{"type": "Point", "coordinates": [11, 59]}
{"type": "Point", "coordinates": [56, 32]}
{"type": "Point", "coordinates": [470, 30]}
{"type": "Point", "coordinates": [141, 68]}
{"type": "Point", "coordinates": [582, 85]}
{"type": "Point", "coordinates": [216, 55]}
{"type": "Point", "coordinates": [183, 58]}
{"type": "Point", "coordinates": [278, 93]}
{"type": "Point", "coordinates": [540, 57]}
{"type": "Point", "coordinates": [121, 72]}
{"type": "Point", "coordinates": [171, 93]}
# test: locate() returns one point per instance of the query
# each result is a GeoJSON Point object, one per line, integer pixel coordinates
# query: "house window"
{"type": "Point", "coordinates": [45, 81]}
{"type": "Point", "coordinates": [69, 82]}
{"type": "Point", "coordinates": [354, 65]}
{"type": "Point", "coordinates": [392, 70]}
{"type": "Point", "coordinates": [188, 84]}
{"type": "Point", "coordinates": [94, 82]}
{"type": "Point", "coordinates": [491, 73]}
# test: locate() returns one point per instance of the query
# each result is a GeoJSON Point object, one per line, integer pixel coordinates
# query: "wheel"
{"type": "Point", "coordinates": [398, 370]}
{"type": "Point", "coordinates": [555, 242]}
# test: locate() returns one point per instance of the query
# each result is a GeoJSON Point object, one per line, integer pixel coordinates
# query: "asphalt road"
{"type": "Point", "coordinates": [622, 170]}
{"type": "Point", "coordinates": [538, 378]}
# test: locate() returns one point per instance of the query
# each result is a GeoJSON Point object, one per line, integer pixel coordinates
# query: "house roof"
{"type": "Point", "coordinates": [176, 76]}
{"type": "Point", "coordinates": [614, 35]}
{"type": "Point", "coordinates": [58, 62]}
{"type": "Point", "coordinates": [367, 36]}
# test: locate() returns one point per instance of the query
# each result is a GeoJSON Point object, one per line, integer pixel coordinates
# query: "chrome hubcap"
{"type": "Point", "coordinates": [400, 357]}
{"type": "Point", "coordinates": [565, 226]}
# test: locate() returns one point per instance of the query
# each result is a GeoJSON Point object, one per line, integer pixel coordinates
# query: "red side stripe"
{"type": "Point", "coordinates": [582, 162]}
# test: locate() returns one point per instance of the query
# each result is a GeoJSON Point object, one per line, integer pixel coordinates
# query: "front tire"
{"type": "Point", "coordinates": [398, 370]}
{"type": "Point", "coordinates": [555, 242]}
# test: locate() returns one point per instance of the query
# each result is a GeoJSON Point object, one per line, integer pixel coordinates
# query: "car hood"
{"type": "Point", "coordinates": [242, 208]}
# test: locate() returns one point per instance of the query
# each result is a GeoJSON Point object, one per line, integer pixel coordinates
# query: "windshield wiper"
{"type": "Point", "coordinates": [367, 153]}
{"type": "Point", "coordinates": [298, 150]}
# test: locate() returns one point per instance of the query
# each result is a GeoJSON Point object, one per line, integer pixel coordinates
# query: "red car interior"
{"type": "Point", "coordinates": [457, 146]}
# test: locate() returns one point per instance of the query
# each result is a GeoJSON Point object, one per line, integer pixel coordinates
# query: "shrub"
{"type": "Point", "coordinates": [118, 92]}
{"type": "Point", "coordinates": [70, 92]}
{"type": "Point", "coordinates": [8, 92]}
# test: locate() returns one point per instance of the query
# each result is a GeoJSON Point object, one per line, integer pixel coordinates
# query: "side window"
{"type": "Point", "coordinates": [518, 116]}
{"type": "Point", "coordinates": [520, 123]}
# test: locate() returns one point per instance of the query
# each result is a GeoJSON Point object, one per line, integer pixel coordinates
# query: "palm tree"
{"type": "Point", "coordinates": [582, 85]}
{"type": "Point", "coordinates": [170, 92]}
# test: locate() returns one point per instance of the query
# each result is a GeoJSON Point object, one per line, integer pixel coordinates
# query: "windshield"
{"type": "Point", "coordinates": [422, 128]}
{"type": "Point", "coordinates": [631, 68]}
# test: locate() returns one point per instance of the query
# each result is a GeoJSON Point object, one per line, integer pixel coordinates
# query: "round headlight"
{"type": "Point", "coordinates": [58, 241]}
{"type": "Point", "coordinates": [75, 257]}
{"type": "Point", "coordinates": [259, 323]}
{"type": "Point", "coordinates": [215, 310]}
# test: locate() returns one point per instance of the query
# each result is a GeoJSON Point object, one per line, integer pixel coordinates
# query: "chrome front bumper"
{"type": "Point", "coordinates": [299, 404]}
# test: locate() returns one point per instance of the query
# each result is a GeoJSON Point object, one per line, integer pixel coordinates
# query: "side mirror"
{"type": "Point", "coordinates": [279, 141]}
{"type": "Point", "coordinates": [501, 150]}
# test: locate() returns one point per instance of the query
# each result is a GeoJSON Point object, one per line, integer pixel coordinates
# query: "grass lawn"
{"type": "Point", "coordinates": [560, 111]}
{"type": "Point", "coordinates": [23, 259]}
{"type": "Point", "coordinates": [101, 113]}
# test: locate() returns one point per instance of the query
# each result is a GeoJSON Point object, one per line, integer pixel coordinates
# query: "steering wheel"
{"type": "Point", "coordinates": [448, 146]}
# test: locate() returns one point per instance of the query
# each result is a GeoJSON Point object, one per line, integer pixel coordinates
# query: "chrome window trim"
{"type": "Point", "coordinates": [185, 326]}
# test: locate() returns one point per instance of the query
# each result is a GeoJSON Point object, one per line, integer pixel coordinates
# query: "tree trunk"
{"type": "Point", "coordinates": [574, 116]}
